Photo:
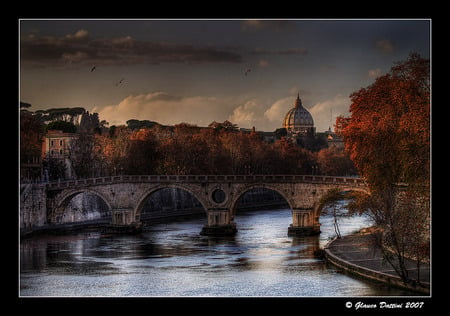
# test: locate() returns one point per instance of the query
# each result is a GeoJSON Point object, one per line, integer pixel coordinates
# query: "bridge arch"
{"type": "Point", "coordinates": [318, 206]}
{"type": "Point", "coordinates": [142, 200]}
{"type": "Point", "coordinates": [62, 202]}
{"type": "Point", "coordinates": [240, 193]}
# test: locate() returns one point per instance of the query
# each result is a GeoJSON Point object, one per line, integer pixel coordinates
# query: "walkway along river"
{"type": "Point", "coordinates": [172, 259]}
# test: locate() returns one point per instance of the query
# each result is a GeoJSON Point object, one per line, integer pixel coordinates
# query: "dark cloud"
{"type": "Point", "coordinates": [79, 48]}
{"type": "Point", "coordinates": [288, 51]}
{"type": "Point", "coordinates": [272, 25]}
{"type": "Point", "coordinates": [385, 46]}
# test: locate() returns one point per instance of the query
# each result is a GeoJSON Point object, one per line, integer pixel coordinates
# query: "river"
{"type": "Point", "coordinates": [172, 259]}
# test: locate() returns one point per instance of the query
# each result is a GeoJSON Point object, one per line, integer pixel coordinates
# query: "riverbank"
{"type": "Point", "coordinates": [359, 255]}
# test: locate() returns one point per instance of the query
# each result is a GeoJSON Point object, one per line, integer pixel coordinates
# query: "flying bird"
{"type": "Point", "coordinates": [93, 68]}
{"type": "Point", "coordinates": [118, 83]}
{"type": "Point", "coordinates": [247, 71]}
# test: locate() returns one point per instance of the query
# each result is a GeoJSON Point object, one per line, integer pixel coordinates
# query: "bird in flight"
{"type": "Point", "coordinates": [247, 71]}
{"type": "Point", "coordinates": [118, 83]}
{"type": "Point", "coordinates": [93, 68]}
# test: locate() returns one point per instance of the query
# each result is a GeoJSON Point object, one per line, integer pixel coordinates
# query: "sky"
{"type": "Point", "coordinates": [199, 71]}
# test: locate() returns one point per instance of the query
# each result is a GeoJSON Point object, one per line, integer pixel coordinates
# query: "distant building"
{"type": "Point", "coordinates": [30, 168]}
{"type": "Point", "coordinates": [298, 122]}
{"type": "Point", "coordinates": [56, 145]}
{"type": "Point", "coordinates": [333, 140]}
{"type": "Point", "coordinates": [299, 125]}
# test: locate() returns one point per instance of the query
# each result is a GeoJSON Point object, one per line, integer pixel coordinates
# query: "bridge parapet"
{"type": "Point", "coordinates": [205, 179]}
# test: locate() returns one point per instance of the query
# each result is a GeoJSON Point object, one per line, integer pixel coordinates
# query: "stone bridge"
{"type": "Point", "coordinates": [125, 196]}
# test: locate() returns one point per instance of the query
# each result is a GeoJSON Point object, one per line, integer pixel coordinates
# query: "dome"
{"type": "Point", "coordinates": [298, 119]}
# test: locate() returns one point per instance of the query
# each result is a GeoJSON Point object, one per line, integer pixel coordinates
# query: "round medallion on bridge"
{"type": "Point", "coordinates": [218, 196]}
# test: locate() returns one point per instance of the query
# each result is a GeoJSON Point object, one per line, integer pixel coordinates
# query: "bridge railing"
{"type": "Point", "coordinates": [205, 178]}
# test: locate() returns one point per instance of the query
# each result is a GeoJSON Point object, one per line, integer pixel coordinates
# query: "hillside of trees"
{"type": "Point", "coordinates": [147, 147]}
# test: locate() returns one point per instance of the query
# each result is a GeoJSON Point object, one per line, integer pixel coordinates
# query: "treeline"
{"type": "Point", "coordinates": [218, 149]}
{"type": "Point", "coordinates": [147, 147]}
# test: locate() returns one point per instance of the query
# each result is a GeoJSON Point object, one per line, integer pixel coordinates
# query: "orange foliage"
{"type": "Point", "coordinates": [388, 133]}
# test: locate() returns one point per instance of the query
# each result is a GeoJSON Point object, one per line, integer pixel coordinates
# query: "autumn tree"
{"type": "Point", "coordinates": [388, 133]}
{"type": "Point", "coordinates": [330, 202]}
{"type": "Point", "coordinates": [388, 138]}
{"type": "Point", "coordinates": [31, 133]}
{"type": "Point", "coordinates": [141, 153]}
{"type": "Point", "coordinates": [81, 155]}
{"type": "Point", "coordinates": [334, 162]}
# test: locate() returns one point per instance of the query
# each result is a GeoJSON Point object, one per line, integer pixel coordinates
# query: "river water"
{"type": "Point", "coordinates": [172, 259]}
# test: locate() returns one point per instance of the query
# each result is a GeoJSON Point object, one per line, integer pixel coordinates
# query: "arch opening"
{"type": "Point", "coordinates": [333, 210]}
{"type": "Point", "coordinates": [259, 198]}
{"type": "Point", "coordinates": [83, 207]}
{"type": "Point", "coordinates": [343, 194]}
{"type": "Point", "coordinates": [169, 202]}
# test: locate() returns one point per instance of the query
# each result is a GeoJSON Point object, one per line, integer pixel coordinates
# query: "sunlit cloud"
{"type": "Point", "coordinates": [324, 113]}
{"type": "Point", "coordinates": [276, 112]}
{"type": "Point", "coordinates": [166, 109]}
{"type": "Point", "coordinates": [247, 115]}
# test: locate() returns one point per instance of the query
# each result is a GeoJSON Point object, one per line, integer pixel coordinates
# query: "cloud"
{"type": "Point", "coordinates": [287, 51]}
{"type": "Point", "coordinates": [385, 46]}
{"type": "Point", "coordinates": [247, 114]}
{"type": "Point", "coordinates": [325, 113]}
{"type": "Point", "coordinates": [374, 73]}
{"type": "Point", "coordinates": [170, 109]}
{"type": "Point", "coordinates": [80, 48]}
{"type": "Point", "coordinates": [277, 111]}
{"type": "Point", "coordinates": [273, 25]}
{"type": "Point", "coordinates": [166, 109]}
{"type": "Point", "coordinates": [263, 63]}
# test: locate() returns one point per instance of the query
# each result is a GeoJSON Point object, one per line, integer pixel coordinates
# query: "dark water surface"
{"type": "Point", "coordinates": [174, 260]}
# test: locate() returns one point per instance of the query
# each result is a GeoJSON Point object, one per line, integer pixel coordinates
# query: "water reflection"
{"type": "Point", "coordinates": [174, 260]}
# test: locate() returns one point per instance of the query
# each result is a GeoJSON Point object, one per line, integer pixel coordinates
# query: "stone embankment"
{"type": "Point", "coordinates": [359, 255]}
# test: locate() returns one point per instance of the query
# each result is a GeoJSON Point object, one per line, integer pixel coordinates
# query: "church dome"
{"type": "Point", "coordinates": [298, 119]}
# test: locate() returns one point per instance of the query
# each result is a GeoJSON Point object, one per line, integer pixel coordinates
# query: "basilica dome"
{"type": "Point", "coordinates": [298, 120]}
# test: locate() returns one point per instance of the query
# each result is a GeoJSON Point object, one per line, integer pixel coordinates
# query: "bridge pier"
{"type": "Point", "coordinates": [219, 223]}
{"type": "Point", "coordinates": [123, 221]}
{"type": "Point", "coordinates": [303, 223]}
{"type": "Point", "coordinates": [122, 216]}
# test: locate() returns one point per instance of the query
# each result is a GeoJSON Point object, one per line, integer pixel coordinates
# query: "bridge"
{"type": "Point", "coordinates": [125, 196]}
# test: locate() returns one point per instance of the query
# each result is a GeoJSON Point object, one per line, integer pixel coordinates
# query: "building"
{"type": "Point", "coordinates": [334, 140]}
{"type": "Point", "coordinates": [56, 147]}
{"type": "Point", "coordinates": [298, 122]}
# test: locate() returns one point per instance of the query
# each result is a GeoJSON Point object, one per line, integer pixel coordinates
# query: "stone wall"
{"type": "Point", "coordinates": [33, 206]}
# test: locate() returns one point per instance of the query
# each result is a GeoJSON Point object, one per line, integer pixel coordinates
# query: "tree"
{"type": "Point", "coordinates": [89, 123]}
{"type": "Point", "coordinates": [66, 127]}
{"type": "Point", "coordinates": [388, 138]}
{"type": "Point", "coordinates": [138, 124]}
{"type": "Point", "coordinates": [334, 162]}
{"type": "Point", "coordinates": [141, 153]}
{"type": "Point", "coordinates": [388, 133]}
{"type": "Point", "coordinates": [331, 207]}
{"type": "Point", "coordinates": [81, 155]}
{"type": "Point", "coordinates": [31, 132]}
{"type": "Point", "coordinates": [70, 115]}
